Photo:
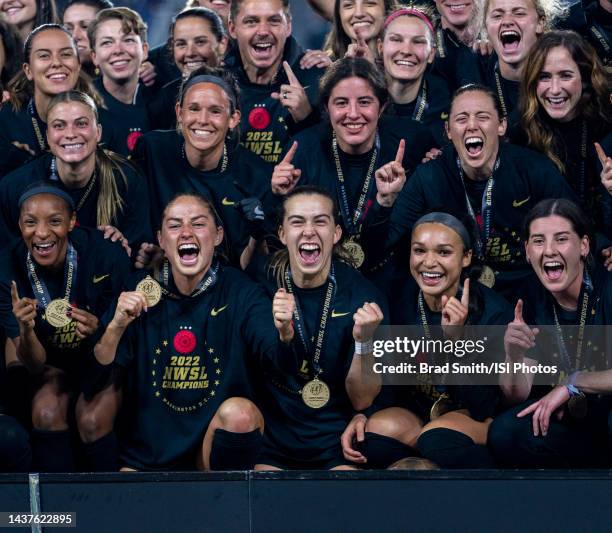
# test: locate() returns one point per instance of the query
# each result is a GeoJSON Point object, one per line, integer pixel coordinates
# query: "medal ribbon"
{"type": "Point", "coordinates": [421, 103]}
{"type": "Point", "coordinates": [484, 230]}
{"type": "Point", "coordinates": [587, 286]}
{"type": "Point", "coordinates": [206, 283]}
{"type": "Point", "coordinates": [351, 222]}
{"type": "Point", "coordinates": [300, 324]}
{"type": "Point", "coordinates": [600, 35]}
{"type": "Point", "coordinates": [38, 285]}
{"type": "Point", "coordinates": [500, 92]}
{"type": "Point", "coordinates": [37, 129]}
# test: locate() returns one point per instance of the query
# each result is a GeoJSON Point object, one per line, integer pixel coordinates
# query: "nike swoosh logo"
{"type": "Point", "coordinates": [225, 201]}
{"type": "Point", "coordinates": [517, 203]}
{"type": "Point", "coordinates": [215, 312]}
{"type": "Point", "coordinates": [98, 279]}
{"type": "Point", "coordinates": [338, 315]}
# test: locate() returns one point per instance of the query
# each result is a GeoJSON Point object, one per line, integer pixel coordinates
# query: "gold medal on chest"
{"type": "Point", "coordinates": [315, 394]}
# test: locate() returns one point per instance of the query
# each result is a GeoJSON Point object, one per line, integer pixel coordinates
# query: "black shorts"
{"type": "Point", "coordinates": [326, 460]}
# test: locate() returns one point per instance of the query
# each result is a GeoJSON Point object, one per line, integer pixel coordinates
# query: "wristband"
{"type": "Point", "coordinates": [573, 390]}
{"type": "Point", "coordinates": [364, 347]}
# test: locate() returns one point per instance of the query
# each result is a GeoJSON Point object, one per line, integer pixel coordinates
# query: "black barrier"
{"type": "Point", "coordinates": [320, 502]}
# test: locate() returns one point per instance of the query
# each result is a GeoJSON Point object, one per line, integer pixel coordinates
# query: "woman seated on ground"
{"type": "Point", "coordinates": [447, 424]}
{"type": "Point", "coordinates": [564, 425]}
{"type": "Point", "coordinates": [186, 337]}
{"type": "Point", "coordinates": [106, 190]}
{"type": "Point", "coordinates": [326, 312]}
{"type": "Point", "coordinates": [56, 284]}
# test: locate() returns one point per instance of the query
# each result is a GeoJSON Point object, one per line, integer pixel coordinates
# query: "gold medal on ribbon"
{"type": "Point", "coordinates": [355, 252]}
{"type": "Point", "coordinates": [151, 289]}
{"type": "Point", "coordinates": [315, 394]}
{"type": "Point", "coordinates": [487, 277]}
{"type": "Point", "coordinates": [441, 406]}
{"type": "Point", "coordinates": [55, 314]}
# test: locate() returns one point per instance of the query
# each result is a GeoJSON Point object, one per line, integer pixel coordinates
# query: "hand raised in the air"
{"type": "Point", "coordinates": [285, 175]}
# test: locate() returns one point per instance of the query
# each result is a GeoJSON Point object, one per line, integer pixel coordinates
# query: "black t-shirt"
{"type": "Point", "coordinates": [160, 156]}
{"type": "Point", "coordinates": [102, 269]}
{"type": "Point", "coordinates": [132, 218]}
{"type": "Point", "coordinates": [18, 126]}
{"type": "Point", "coordinates": [507, 91]}
{"type": "Point", "coordinates": [130, 121]}
{"type": "Point", "coordinates": [296, 430]}
{"type": "Point", "coordinates": [455, 61]}
{"type": "Point", "coordinates": [594, 23]}
{"type": "Point", "coordinates": [161, 108]}
{"type": "Point", "coordinates": [493, 310]}
{"type": "Point", "coordinates": [165, 68]}
{"type": "Point", "coordinates": [521, 180]}
{"type": "Point", "coordinates": [183, 358]}
{"type": "Point", "coordinates": [434, 98]}
{"type": "Point", "coordinates": [266, 125]}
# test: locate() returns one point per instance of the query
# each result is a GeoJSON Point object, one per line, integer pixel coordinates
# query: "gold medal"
{"type": "Point", "coordinates": [355, 252]}
{"type": "Point", "coordinates": [315, 394]}
{"type": "Point", "coordinates": [441, 406]}
{"type": "Point", "coordinates": [151, 289]}
{"type": "Point", "coordinates": [487, 277]}
{"type": "Point", "coordinates": [55, 314]}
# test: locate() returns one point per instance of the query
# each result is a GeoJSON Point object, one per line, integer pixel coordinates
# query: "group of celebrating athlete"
{"type": "Point", "coordinates": [201, 239]}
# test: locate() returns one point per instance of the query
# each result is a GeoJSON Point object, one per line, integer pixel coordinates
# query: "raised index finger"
{"type": "Point", "coordinates": [290, 75]}
{"type": "Point", "coordinates": [14, 293]}
{"type": "Point", "coordinates": [518, 311]}
{"type": "Point", "coordinates": [360, 39]}
{"type": "Point", "coordinates": [465, 297]}
{"type": "Point", "coordinates": [399, 157]}
{"type": "Point", "coordinates": [289, 155]}
{"type": "Point", "coordinates": [601, 154]}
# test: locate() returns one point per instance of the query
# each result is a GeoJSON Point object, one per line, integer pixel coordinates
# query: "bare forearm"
{"type": "Point", "coordinates": [362, 385]}
{"type": "Point", "coordinates": [595, 382]}
{"type": "Point", "coordinates": [516, 387]}
{"type": "Point", "coordinates": [106, 349]}
{"type": "Point", "coordinates": [31, 352]}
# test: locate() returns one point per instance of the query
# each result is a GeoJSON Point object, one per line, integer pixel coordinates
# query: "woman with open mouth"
{"type": "Point", "coordinates": [186, 335]}
{"type": "Point", "coordinates": [203, 155]}
{"type": "Point", "coordinates": [353, 146]}
{"type": "Point", "coordinates": [118, 39]}
{"type": "Point", "coordinates": [493, 183]}
{"type": "Point", "coordinates": [197, 39]}
{"type": "Point", "coordinates": [446, 422]}
{"type": "Point", "coordinates": [326, 314]}
{"type": "Point", "coordinates": [51, 67]}
{"type": "Point", "coordinates": [57, 282]}
{"type": "Point", "coordinates": [565, 110]}
{"type": "Point", "coordinates": [26, 15]}
{"type": "Point", "coordinates": [513, 27]}
{"type": "Point", "coordinates": [559, 420]}
{"type": "Point", "coordinates": [106, 190]}
{"type": "Point", "coordinates": [407, 49]}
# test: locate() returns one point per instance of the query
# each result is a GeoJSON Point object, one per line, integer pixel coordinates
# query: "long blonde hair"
{"type": "Point", "coordinates": [110, 203]}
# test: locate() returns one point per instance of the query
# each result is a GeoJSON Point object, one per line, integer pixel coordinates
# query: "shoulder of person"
{"type": "Point", "coordinates": [90, 242]}
{"type": "Point", "coordinates": [153, 140]}
{"type": "Point", "coordinates": [247, 158]}
{"type": "Point", "coordinates": [34, 170]}
{"type": "Point", "coordinates": [524, 158]}
{"type": "Point", "coordinates": [312, 138]}
{"type": "Point", "coordinates": [361, 289]}
{"type": "Point", "coordinates": [496, 309]}
{"type": "Point", "coordinates": [236, 281]}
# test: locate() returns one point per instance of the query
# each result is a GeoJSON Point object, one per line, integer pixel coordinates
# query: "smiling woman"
{"type": "Point", "coordinates": [565, 109]}
{"type": "Point", "coordinates": [26, 15]}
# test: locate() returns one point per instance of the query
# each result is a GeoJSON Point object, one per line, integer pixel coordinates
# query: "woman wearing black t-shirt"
{"type": "Point", "coordinates": [63, 280]}
{"type": "Point", "coordinates": [205, 157]}
{"type": "Point", "coordinates": [326, 313]}
{"type": "Point", "coordinates": [407, 50]}
{"type": "Point", "coordinates": [565, 109]}
{"type": "Point", "coordinates": [566, 425]}
{"type": "Point", "coordinates": [106, 190]}
{"type": "Point", "coordinates": [187, 336]}
{"type": "Point", "coordinates": [448, 423]}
